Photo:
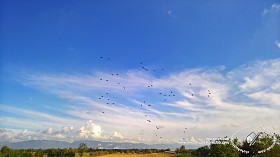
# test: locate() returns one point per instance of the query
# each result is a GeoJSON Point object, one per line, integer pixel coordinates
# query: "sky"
{"type": "Point", "coordinates": [138, 71]}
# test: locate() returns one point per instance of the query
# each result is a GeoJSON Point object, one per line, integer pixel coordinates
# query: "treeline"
{"type": "Point", "coordinates": [71, 152]}
{"type": "Point", "coordinates": [219, 148]}
{"type": "Point", "coordinates": [224, 148]}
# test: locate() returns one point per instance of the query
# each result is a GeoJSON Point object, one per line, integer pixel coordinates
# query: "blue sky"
{"type": "Point", "coordinates": [51, 69]}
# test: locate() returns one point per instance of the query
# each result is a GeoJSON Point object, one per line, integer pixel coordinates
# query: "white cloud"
{"type": "Point", "coordinates": [274, 8]}
{"type": "Point", "coordinates": [277, 43]}
{"type": "Point", "coordinates": [265, 11]}
{"type": "Point", "coordinates": [246, 95]}
{"type": "Point", "coordinates": [48, 131]}
{"type": "Point", "coordinates": [67, 129]}
{"type": "Point", "coordinates": [117, 135]}
{"type": "Point", "coordinates": [91, 130]}
{"type": "Point", "coordinates": [169, 12]}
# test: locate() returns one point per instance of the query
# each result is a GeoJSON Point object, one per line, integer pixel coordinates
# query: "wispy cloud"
{"type": "Point", "coordinates": [277, 43]}
{"type": "Point", "coordinates": [274, 8]}
{"type": "Point", "coordinates": [169, 12]}
{"type": "Point", "coordinates": [208, 102]}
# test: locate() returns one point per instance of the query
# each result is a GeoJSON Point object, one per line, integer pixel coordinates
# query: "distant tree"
{"type": "Point", "coordinates": [182, 148]}
{"type": "Point", "coordinates": [223, 150]}
{"type": "Point", "coordinates": [5, 149]}
{"type": "Point", "coordinates": [203, 151]}
{"type": "Point", "coordinates": [38, 153]}
{"type": "Point", "coordinates": [82, 148]}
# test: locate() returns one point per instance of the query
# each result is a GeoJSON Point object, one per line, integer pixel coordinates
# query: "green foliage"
{"type": "Point", "coordinates": [182, 148]}
{"type": "Point", "coordinates": [223, 150]}
{"type": "Point", "coordinates": [261, 144]}
{"type": "Point", "coordinates": [7, 152]}
{"type": "Point", "coordinates": [5, 149]}
{"type": "Point", "coordinates": [203, 151]}
{"type": "Point", "coordinates": [82, 148]}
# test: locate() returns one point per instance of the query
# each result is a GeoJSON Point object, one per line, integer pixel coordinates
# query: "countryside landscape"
{"type": "Point", "coordinates": [139, 78]}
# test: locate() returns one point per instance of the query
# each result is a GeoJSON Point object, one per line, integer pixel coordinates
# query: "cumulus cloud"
{"type": "Point", "coordinates": [48, 131]}
{"type": "Point", "coordinates": [67, 129]}
{"type": "Point", "coordinates": [91, 130]}
{"type": "Point", "coordinates": [117, 135]}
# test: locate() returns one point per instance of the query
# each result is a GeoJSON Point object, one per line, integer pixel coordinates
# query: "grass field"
{"type": "Point", "coordinates": [133, 155]}
{"type": "Point", "coordinates": [141, 155]}
{"type": "Point", "coordinates": [130, 155]}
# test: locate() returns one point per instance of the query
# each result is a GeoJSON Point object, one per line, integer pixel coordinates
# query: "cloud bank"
{"type": "Point", "coordinates": [141, 106]}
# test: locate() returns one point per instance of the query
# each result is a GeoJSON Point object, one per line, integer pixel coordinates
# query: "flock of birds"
{"type": "Point", "coordinates": [165, 96]}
